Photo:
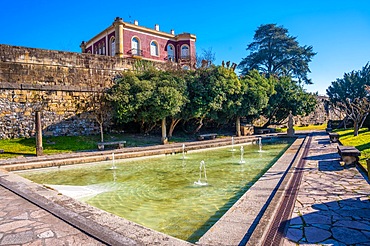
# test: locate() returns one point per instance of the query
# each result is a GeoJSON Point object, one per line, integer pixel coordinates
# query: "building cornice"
{"type": "Point", "coordinates": [129, 26]}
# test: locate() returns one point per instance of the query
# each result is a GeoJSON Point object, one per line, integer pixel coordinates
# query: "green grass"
{"type": "Point", "coordinates": [361, 142]}
{"type": "Point", "coordinates": [54, 145]}
{"type": "Point", "coordinates": [305, 128]}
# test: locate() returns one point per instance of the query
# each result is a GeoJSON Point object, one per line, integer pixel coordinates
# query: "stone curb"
{"type": "Point", "coordinates": [101, 225]}
{"type": "Point", "coordinates": [85, 157]}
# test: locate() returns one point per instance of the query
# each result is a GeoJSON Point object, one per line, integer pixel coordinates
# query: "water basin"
{"type": "Point", "coordinates": [161, 192]}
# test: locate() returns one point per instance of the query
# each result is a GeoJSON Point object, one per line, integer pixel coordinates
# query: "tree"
{"type": "Point", "coordinates": [256, 90]}
{"type": "Point", "coordinates": [289, 96]}
{"type": "Point", "coordinates": [147, 97]}
{"type": "Point", "coordinates": [275, 52]}
{"type": "Point", "coordinates": [98, 107]}
{"type": "Point", "coordinates": [168, 96]}
{"type": "Point", "coordinates": [129, 96]}
{"type": "Point", "coordinates": [351, 95]}
{"type": "Point", "coordinates": [208, 91]}
{"type": "Point", "coordinates": [206, 58]}
{"type": "Point", "coordinates": [357, 110]}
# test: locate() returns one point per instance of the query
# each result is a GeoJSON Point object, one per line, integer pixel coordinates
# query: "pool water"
{"type": "Point", "coordinates": [159, 192]}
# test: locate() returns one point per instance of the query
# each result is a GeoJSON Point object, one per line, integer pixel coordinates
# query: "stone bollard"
{"type": "Point", "coordinates": [368, 167]}
{"type": "Point", "coordinates": [39, 148]}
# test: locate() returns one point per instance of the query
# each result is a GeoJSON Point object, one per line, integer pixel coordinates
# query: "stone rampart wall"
{"type": "Point", "coordinates": [57, 83]}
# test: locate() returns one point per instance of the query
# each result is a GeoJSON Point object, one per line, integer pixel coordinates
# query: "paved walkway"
{"type": "Point", "coordinates": [333, 203]}
{"type": "Point", "coordinates": [23, 223]}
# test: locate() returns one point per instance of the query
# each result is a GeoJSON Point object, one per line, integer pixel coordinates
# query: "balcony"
{"type": "Point", "coordinates": [185, 57]}
{"type": "Point", "coordinates": [136, 53]}
{"type": "Point", "coordinates": [170, 58]}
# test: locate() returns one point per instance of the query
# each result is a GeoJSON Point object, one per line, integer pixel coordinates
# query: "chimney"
{"type": "Point", "coordinates": [156, 27]}
{"type": "Point", "coordinates": [173, 32]}
{"type": "Point", "coordinates": [136, 22]}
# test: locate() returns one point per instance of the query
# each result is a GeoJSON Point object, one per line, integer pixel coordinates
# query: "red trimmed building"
{"type": "Point", "coordinates": [127, 40]}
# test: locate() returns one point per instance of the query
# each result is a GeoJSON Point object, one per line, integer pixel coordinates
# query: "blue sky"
{"type": "Point", "coordinates": [339, 31]}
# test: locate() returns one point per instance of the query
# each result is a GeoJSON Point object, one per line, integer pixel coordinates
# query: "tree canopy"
{"type": "Point", "coordinates": [289, 96]}
{"type": "Point", "coordinates": [274, 52]}
{"type": "Point", "coordinates": [350, 95]}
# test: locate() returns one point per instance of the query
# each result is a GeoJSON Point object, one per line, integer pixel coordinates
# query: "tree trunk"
{"type": "Point", "coordinates": [101, 132]}
{"type": "Point", "coordinates": [164, 131]}
{"type": "Point", "coordinates": [199, 126]}
{"type": "Point", "coordinates": [363, 120]}
{"type": "Point", "coordinates": [355, 128]}
{"type": "Point", "coordinates": [237, 124]}
{"type": "Point", "coordinates": [173, 124]}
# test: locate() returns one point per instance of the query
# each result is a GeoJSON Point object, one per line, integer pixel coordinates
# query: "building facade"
{"type": "Point", "coordinates": [126, 40]}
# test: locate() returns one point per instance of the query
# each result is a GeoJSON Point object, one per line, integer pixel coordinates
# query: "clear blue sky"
{"type": "Point", "coordinates": [339, 31]}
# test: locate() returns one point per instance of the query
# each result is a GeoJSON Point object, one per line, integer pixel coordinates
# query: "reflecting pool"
{"type": "Point", "coordinates": [162, 192]}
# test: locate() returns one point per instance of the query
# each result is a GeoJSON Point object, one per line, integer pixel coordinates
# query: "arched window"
{"type": "Point", "coordinates": [171, 52]}
{"type": "Point", "coordinates": [185, 52]}
{"type": "Point", "coordinates": [103, 49]}
{"type": "Point", "coordinates": [100, 50]}
{"type": "Point", "coordinates": [135, 46]}
{"type": "Point", "coordinates": [113, 46]}
{"type": "Point", "coordinates": [154, 49]}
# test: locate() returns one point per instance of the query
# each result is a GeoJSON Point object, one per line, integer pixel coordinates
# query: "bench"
{"type": "Point", "coordinates": [262, 131]}
{"type": "Point", "coordinates": [119, 143]}
{"type": "Point", "coordinates": [334, 137]}
{"type": "Point", "coordinates": [328, 129]}
{"type": "Point", "coordinates": [207, 136]}
{"type": "Point", "coordinates": [349, 154]}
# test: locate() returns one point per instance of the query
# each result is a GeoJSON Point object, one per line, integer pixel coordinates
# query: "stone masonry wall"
{"type": "Point", "coordinates": [57, 83]}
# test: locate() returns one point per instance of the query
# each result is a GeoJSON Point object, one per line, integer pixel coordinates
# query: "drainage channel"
{"type": "Point", "coordinates": [279, 225]}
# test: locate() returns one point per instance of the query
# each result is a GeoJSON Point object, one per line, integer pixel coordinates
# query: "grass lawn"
{"type": "Point", "coordinates": [53, 145]}
{"type": "Point", "coordinates": [307, 128]}
{"type": "Point", "coordinates": [361, 142]}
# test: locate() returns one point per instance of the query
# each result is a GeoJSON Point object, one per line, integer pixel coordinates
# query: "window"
{"type": "Point", "coordinates": [103, 49]}
{"type": "Point", "coordinates": [154, 48]}
{"type": "Point", "coordinates": [170, 52]}
{"type": "Point", "coordinates": [100, 50]}
{"type": "Point", "coordinates": [185, 52]}
{"type": "Point", "coordinates": [113, 46]}
{"type": "Point", "coordinates": [135, 46]}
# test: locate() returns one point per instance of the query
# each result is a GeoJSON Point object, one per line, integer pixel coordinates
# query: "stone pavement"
{"type": "Point", "coordinates": [333, 203]}
{"type": "Point", "coordinates": [23, 223]}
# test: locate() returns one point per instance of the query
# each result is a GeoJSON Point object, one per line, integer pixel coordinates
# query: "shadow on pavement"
{"type": "Point", "coordinates": [326, 157]}
{"type": "Point", "coordinates": [328, 166]}
{"type": "Point", "coordinates": [342, 222]}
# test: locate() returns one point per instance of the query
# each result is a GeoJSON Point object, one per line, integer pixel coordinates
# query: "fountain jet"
{"type": "Point", "coordinates": [199, 182]}
{"type": "Point", "coordinates": [113, 163]}
{"type": "Point", "coordinates": [242, 161]}
{"type": "Point", "coordinates": [260, 144]}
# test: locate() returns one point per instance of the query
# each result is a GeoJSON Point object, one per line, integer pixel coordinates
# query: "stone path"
{"type": "Point", "coordinates": [333, 203]}
{"type": "Point", "coordinates": [23, 223]}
